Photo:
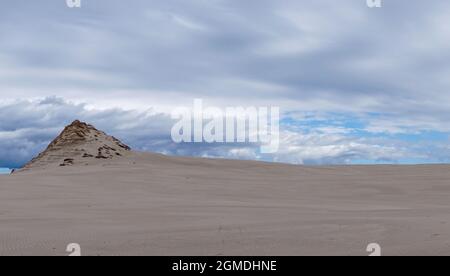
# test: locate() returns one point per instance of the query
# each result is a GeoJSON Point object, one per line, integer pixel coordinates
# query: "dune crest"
{"type": "Point", "coordinates": [79, 143]}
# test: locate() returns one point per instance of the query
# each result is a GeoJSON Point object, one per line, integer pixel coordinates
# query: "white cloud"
{"type": "Point", "coordinates": [317, 57]}
{"type": "Point", "coordinates": [37, 122]}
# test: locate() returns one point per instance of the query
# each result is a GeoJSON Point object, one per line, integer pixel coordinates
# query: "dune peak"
{"type": "Point", "coordinates": [79, 143]}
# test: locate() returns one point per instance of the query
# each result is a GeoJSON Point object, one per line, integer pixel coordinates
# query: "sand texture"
{"type": "Point", "coordinates": [148, 204]}
{"type": "Point", "coordinates": [89, 188]}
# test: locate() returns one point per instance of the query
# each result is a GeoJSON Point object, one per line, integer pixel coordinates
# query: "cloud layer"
{"type": "Point", "coordinates": [37, 122]}
{"type": "Point", "coordinates": [124, 67]}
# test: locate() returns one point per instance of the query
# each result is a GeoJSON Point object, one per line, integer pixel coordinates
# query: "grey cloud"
{"type": "Point", "coordinates": [27, 127]}
{"type": "Point", "coordinates": [36, 122]}
{"type": "Point", "coordinates": [39, 121]}
{"type": "Point", "coordinates": [321, 56]}
{"type": "Point", "coordinates": [312, 49]}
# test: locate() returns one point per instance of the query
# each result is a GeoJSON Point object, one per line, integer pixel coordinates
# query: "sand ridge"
{"type": "Point", "coordinates": [151, 204]}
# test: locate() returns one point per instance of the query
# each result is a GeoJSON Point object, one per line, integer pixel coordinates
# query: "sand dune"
{"type": "Point", "coordinates": [79, 143]}
{"type": "Point", "coordinates": [148, 204]}
{"type": "Point", "coordinates": [89, 188]}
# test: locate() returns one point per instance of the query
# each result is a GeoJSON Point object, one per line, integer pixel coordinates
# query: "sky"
{"type": "Point", "coordinates": [354, 85]}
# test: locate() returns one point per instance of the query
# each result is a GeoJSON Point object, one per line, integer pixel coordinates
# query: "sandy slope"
{"type": "Point", "coordinates": [156, 205]}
